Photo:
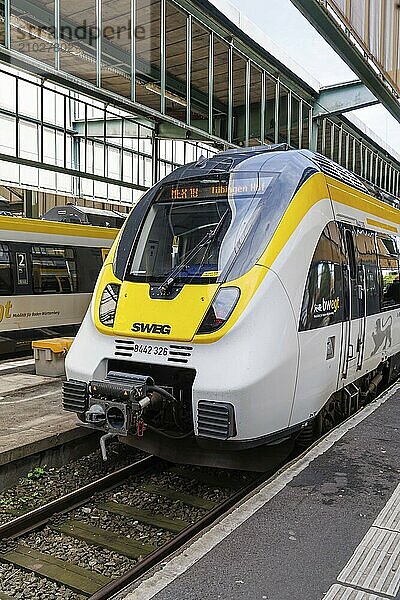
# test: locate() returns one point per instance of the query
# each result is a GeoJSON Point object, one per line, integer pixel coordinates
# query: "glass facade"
{"type": "Point", "coordinates": [71, 145]}
{"type": "Point", "coordinates": [160, 56]}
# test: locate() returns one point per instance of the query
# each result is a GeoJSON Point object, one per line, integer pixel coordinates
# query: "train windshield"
{"type": "Point", "coordinates": [194, 228]}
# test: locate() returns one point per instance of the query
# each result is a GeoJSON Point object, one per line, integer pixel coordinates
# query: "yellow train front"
{"type": "Point", "coordinates": [192, 344]}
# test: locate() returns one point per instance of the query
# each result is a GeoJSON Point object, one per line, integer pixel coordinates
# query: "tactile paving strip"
{"type": "Point", "coordinates": [389, 518]}
{"type": "Point", "coordinates": [375, 565]}
{"type": "Point", "coordinates": [339, 592]}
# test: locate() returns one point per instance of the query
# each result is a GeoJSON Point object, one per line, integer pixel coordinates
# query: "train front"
{"type": "Point", "coordinates": [189, 349]}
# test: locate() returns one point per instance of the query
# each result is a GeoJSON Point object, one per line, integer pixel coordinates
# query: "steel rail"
{"type": "Point", "coordinates": [175, 544]}
{"type": "Point", "coordinates": [37, 517]}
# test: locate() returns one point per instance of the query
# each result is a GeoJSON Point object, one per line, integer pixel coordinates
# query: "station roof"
{"type": "Point", "coordinates": [203, 72]}
{"type": "Point", "coordinates": [256, 36]}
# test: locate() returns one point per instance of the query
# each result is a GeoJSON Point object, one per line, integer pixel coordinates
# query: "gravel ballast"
{"type": "Point", "coordinates": [44, 485]}
{"type": "Point", "coordinates": [41, 485]}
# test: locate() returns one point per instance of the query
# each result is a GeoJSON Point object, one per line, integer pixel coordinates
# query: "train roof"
{"type": "Point", "coordinates": [283, 155]}
{"type": "Point", "coordinates": [72, 213]}
{"type": "Point", "coordinates": [56, 228]}
{"type": "Point", "coordinates": [98, 211]}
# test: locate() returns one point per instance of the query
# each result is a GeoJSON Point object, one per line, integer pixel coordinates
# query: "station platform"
{"type": "Point", "coordinates": [32, 418]}
{"type": "Point", "coordinates": [327, 526]}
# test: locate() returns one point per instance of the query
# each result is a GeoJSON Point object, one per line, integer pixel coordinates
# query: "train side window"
{"type": "Point", "coordinates": [368, 262]}
{"type": "Point", "coordinates": [388, 257]}
{"type": "Point", "coordinates": [6, 284]}
{"type": "Point", "coordinates": [323, 301]}
{"type": "Point", "coordinates": [53, 270]}
{"type": "Point", "coordinates": [89, 263]}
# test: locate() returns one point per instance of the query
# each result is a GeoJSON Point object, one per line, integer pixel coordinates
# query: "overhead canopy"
{"type": "Point", "coordinates": [366, 34]}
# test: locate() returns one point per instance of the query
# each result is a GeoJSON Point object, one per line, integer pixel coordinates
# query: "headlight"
{"type": "Point", "coordinates": [220, 310]}
{"type": "Point", "coordinates": [108, 304]}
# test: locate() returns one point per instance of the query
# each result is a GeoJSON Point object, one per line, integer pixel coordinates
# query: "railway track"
{"type": "Point", "coordinates": [135, 498]}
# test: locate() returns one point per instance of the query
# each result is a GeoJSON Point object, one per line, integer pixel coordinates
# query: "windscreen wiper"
{"type": "Point", "coordinates": [205, 241]}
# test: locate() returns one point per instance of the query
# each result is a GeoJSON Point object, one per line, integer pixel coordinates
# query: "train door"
{"type": "Point", "coordinates": [354, 325]}
{"type": "Point", "coordinates": [22, 274]}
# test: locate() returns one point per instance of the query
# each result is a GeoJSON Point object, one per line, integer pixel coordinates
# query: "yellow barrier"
{"type": "Point", "coordinates": [50, 356]}
{"type": "Point", "coordinates": [56, 345]}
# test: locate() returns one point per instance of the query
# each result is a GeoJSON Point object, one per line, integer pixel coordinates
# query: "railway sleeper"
{"type": "Point", "coordinates": [105, 538]}
{"type": "Point", "coordinates": [78, 579]}
{"type": "Point", "coordinates": [144, 516]}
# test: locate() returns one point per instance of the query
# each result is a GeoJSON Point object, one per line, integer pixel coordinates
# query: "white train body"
{"type": "Point", "coordinates": [315, 330]}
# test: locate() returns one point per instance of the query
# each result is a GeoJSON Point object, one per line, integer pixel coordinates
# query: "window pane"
{"type": "Point", "coordinates": [221, 89]}
{"type": "Point", "coordinates": [8, 139]}
{"type": "Point", "coordinates": [116, 47]}
{"type": "Point", "coordinates": [367, 261]}
{"type": "Point", "coordinates": [283, 114]}
{"type": "Point", "coordinates": [32, 32]}
{"type": "Point", "coordinates": [148, 55]}
{"type": "Point", "coordinates": [6, 286]}
{"type": "Point", "coordinates": [323, 300]}
{"type": "Point", "coordinates": [53, 270]}
{"type": "Point", "coordinates": [175, 101]}
{"type": "Point", "coordinates": [270, 110]}
{"type": "Point", "coordinates": [78, 39]}
{"type": "Point", "coordinates": [200, 76]}
{"type": "Point", "coordinates": [239, 99]}
{"type": "Point", "coordinates": [357, 16]}
{"type": "Point", "coordinates": [389, 268]}
{"type": "Point", "coordinates": [255, 105]}
{"type": "Point", "coordinates": [294, 123]}
{"type": "Point", "coordinates": [89, 264]}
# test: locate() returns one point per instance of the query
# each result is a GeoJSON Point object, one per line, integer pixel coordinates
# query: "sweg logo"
{"type": "Point", "coordinates": [151, 328]}
{"type": "Point", "coordinates": [327, 306]}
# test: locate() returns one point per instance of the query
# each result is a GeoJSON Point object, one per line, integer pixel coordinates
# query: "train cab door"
{"type": "Point", "coordinates": [354, 326]}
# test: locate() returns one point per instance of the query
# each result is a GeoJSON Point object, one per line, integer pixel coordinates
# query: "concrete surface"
{"type": "Point", "coordinates": [32, 418]}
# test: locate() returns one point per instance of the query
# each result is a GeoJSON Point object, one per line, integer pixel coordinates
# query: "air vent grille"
{"type": "Point", "coordinates": [215, 420]}
{"type": "Point", "coordinates": [340, 173]}
{"type": "Point", "coordinates": [124, 348]}
{"type": "Point", "coordinates": [74, 396]}
{"type": "Point", "coordinates": [179, 354]}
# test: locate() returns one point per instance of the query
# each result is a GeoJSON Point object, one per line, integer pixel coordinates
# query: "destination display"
{"type": "Point", "coordinates": [211, 190]}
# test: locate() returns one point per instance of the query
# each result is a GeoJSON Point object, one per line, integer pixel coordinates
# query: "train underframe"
{"type": "Point", "coordinates": [150, 407]}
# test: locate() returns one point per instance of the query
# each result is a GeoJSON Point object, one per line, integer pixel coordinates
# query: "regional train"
{"type": "Point", "coordinates": [251, 302]}
{"type": "Point", "coordinates": [48, 271]}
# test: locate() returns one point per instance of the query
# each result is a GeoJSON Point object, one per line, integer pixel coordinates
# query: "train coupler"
{"type": "Point", "coordinates": [117, 405]}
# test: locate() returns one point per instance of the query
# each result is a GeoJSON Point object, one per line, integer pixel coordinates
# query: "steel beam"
{"type": "Point", "coordinates": [116, 127]}
{"type": "Point", "coordinates": [168, 131]}
{"type": "Point", "coordinates": [342, 98]}
{"type": "Point", "coordinates": [74, 173]}
{"type": "Point", "coordinates": [337, 37]}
